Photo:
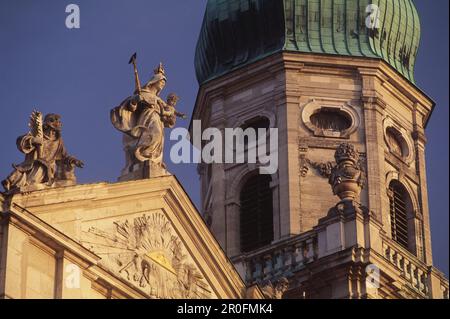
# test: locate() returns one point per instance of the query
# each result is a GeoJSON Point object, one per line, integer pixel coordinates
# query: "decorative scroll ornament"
{"type": "Point", "coordinates": [324, 169]}
{"type": "Point", "coordinates": [148, 253]}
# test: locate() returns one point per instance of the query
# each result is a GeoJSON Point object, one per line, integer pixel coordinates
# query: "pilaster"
{"type": "Point", "coordinates": [373, 121]}
{"type": "Point", "coordinates": [419, 145]}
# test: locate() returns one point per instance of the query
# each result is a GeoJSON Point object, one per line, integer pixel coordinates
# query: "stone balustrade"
{"type": "Point", "coordinates": [416, 273]}
{"type": "Point", "coordinates": [334, 236]}
{"type": "Point", "coordinates": [278, 260]}
{"type": "Point", "coordinates": [409, 266]}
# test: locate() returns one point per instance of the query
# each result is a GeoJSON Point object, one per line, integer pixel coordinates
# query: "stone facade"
{"type": "Point", "coordinates": [297, 93]}
{"type": "Point", "coordinates": [141, 239]}
{"type": "Point", "coordinates": [349, 211]}
{"type": "Point", "coordinates": [145, 239]}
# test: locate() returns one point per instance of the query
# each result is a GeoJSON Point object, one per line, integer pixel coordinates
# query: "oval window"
{"type": "Point", "coordinates": [397, 144]}
{"type": "Point", "coordinates": [331, 120]}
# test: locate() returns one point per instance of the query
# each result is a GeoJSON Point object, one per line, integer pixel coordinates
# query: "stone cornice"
{"type": "Point", "coordinates": [163, 194]}
{"type": "Point", "coordinates": [236, 80]}
{"type": "Point", "coordinates": [36, 227]}
{"type": "Point", "coordinates": [387, 77]}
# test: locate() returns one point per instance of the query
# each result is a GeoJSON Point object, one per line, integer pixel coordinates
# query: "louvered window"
{"type": "Point", "coordinates": [399, 213]}
{"type": "Point", "coordinates": [256, 215]}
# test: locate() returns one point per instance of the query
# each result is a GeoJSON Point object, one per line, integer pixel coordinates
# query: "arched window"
{"type": "Point", "coordinates": [256, 213]}
{"type": "Point", "coordinates": [402, 227]}
{"type": "Point", "coordinates": [256, 124]}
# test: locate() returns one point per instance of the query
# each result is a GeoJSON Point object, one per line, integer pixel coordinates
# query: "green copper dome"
{"type": "Point", "coordinates": [238, 32]}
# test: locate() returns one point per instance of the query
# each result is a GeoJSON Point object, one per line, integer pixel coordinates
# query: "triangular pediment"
{"type": "Point", "coordinates": [146, 250]}
{"type": "Point", "coordinates": [146, 232]}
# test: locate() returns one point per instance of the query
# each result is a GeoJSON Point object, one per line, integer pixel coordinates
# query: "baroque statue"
{"type": "Point", "coordinates": [47, 163]}
{"type": "Point", "coordinates": [142, 118]}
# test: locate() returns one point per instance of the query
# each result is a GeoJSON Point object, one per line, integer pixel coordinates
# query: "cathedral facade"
{"type": "Point", "coordinates": [345, 216]}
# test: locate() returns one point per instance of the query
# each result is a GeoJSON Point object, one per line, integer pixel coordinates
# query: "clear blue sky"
{"type": "Point", "coordinates": [81, 74]}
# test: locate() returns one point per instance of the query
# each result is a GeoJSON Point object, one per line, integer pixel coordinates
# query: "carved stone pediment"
{"type": "Point", "coordinates": [146, 233]}
{"type": "Point", "coordinates": [146, 251]}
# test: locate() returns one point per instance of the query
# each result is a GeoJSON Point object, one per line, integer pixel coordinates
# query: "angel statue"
{"type": "Point", "coordinates": [142, 118]}
{"type": "Point", "coordinates": [47, 163]}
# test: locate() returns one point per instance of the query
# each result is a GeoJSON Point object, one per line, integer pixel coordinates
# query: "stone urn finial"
{"type": "Point", "coordinates": [346, 153]}
{"type": "Point", "coordinates": [347, 177]}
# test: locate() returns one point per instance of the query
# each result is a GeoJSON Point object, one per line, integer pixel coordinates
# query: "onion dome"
{"type": "Point", "coordinates": [236, 33]}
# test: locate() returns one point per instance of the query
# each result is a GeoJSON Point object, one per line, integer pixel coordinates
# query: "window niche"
{"type": "Point", "coordinates": [398, 142]}
{"type": "Point", "coordinates": [402, 216]}
{"type": "Point", "coordinates": [327, 120]}
{"type": "Point", "coordinates": [256, 213]}
{"type": "Point", "coordinates": [250, 140]}
{"type": "Point", "coordinates": [330, 119]}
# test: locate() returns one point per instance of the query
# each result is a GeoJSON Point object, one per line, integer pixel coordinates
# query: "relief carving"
{"type": "Point", "coordinates": [148, 253]}
{"type": "Point", "coordinates": [277, 290]}
{"type": "Point", "coordinates": [324, 169]}
{"type": "Point", "coordinates": [348, 176]}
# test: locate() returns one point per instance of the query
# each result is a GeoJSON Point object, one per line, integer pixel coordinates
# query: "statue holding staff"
{"type": "Point", "coordinates": [142, 118]}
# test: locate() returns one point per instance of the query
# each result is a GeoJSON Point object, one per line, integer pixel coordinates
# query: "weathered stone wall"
{"type": "Point", "coordinates": [288, 89]}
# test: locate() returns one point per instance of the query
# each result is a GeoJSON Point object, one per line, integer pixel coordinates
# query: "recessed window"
{"type": "Point", "coordinates": [396, 143]}
{"type": "Point", "coordinates": [256, 124]}
{"type": "Point", "coordinates": [256, 213]}
{"type": "Point", "coordinates": [402, 217]}
{"type": "Point", "coordinates": [329, 119]}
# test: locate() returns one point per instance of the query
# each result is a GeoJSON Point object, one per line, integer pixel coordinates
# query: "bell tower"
{"type": "Point", "coordinates": [329, 76]}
